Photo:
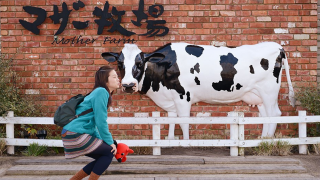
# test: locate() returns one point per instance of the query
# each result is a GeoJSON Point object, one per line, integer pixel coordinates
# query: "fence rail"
{"type": "Point", "coordinates": [235, 119]}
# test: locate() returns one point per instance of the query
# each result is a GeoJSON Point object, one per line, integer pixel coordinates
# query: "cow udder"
{"type": "Point", "coordinates": [252, 99]}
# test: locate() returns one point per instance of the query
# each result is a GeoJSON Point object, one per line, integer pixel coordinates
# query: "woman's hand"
{"type": "Point", "coordinates": [114, 149]}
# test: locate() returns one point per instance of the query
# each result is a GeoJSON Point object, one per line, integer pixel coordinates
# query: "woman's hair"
{"type": "Point", "coordinates": [101, 78]}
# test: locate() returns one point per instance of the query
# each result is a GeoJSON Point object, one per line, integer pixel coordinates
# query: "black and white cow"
{"type": "Point", "coordinates": [179, 74]}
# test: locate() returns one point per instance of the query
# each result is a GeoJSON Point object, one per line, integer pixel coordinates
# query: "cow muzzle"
{"type": "Point", "coordinates": [129, 88]}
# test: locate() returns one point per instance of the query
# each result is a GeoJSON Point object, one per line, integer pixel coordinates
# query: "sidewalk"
{"type": "Point", "coordinates": [203, 164]}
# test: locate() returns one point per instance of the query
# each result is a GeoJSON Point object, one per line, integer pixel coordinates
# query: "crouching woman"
{"type": "Point", "coordinates": [89, 134]}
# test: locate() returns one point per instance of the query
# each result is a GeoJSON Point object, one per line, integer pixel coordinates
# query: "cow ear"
{"type": "Point", "coordinates": [110, 57]}
{"type": "Point", "coordinates": [154, 57]}
{"type": "Point", "coordinates": [130, 151]}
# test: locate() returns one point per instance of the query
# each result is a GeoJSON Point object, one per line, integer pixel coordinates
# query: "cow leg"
{"type": "Point", "coordinates": [183, 110]}
{"type": "Point", "coordinates": [184, 127]}
{"type": "Point", "coordinates": [171, 132]}
{"type": "Point", "coordinates": [269, 110]}
{"type": "Point", "coordinates": [185, 131]}
{"type": "Point", "coordinates": [273, 111]}
{"type": "Point", "coordinates": [263, 113]}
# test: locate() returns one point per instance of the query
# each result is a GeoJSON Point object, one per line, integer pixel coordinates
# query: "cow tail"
{"type": "Point", "coordinates": [292, 100]}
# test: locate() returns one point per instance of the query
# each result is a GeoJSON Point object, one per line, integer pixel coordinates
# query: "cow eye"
{"type": "Point", "coordinates": [122, 154]}
{"type": "Point", "coordinates": [138, 59]}
{"type": "Point", "coordinates": [120, 65]}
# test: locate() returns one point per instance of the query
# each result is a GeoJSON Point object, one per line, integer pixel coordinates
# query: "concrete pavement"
{"type": "Point", "coordinates": [165, 167]}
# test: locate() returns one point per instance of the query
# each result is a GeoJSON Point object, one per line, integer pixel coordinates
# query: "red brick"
{"type": "Point", "coordinates": [249, 31]}
{"type": "Point", "coordinates": [125, 126]}
{"type": "Point", "coordinates": [196, 108]}
{"type": "Point", "coordinates": [133, 133]}
{"type": "Point", "coordinates": [259, 13]}
{"type": "Point", "coordinates": [241, 25]}
{"type": "Point", "coordinates": [309, 18]}
{"type": "Point", "coordinates": [37, 2]}
{"type": "Point", "coordinates": [254, 37]}
{"type": "Point", "coordinates": [218, 126]}
{"type": "Point", "coordinates": [194, 25]}
{"type": "Point", "coordinates": [148, 133]}
{"type": "Point", "coordinates": [309, 6]}
{"type": "Point", "coordinates": [234, 43]}
{"type": "Point", "coordinates": [148, 109]}
{"type": "Point", "coordinates": [232, 19]}
{"type": "Point", "coordinates": [257, 25]}
{"type": "Point", "coordinates": [243, 13]}
{"type": "Point", "coordinates": [78, 79]}
{"type": "Point", "coordinates": [140, 103]}
{"type": "Point", "coordinates": [249, 7]}
{"type": "Point", "coordinates": [302, 1]}
{"type": "Point", "coordinates": [208, 1]}
{"type": "Point", "coordinates": [193, 1]}
{"type": "Point", "coordinates": [141, 126]}
{"type": "Point", "coordinates": [202, 7]}
{"type": "Point", "coordinates": [186, 7]}
{"type": "Point", "coordinates": [294, 6]}
{"type": "Point", "coordinates": [210, 25]}
{"type": "Point", "coordinates": [271, 1]}
{"type": "Point", "coordinates": [239, 37]}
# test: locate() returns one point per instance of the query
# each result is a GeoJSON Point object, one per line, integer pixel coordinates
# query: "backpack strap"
{"type": "Point", "coordinates": [81, 114]}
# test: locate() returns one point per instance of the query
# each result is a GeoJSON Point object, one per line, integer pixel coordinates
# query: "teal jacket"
{"type": "Point", "coordinates": [94, 123]}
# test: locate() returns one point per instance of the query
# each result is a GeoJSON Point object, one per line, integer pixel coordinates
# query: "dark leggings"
{"type": "Point", "coordinates": [103, 157]}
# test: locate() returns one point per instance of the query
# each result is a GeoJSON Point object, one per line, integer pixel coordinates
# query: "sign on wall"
{"type": "Point", "coordinates": [105, 19]}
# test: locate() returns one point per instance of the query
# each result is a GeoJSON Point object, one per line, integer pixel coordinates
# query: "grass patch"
{"type": "Point", "coordinates": [3, 147]}
{"type": "Point", "coordinates": [282, 148]}
{"type": "Point", "coordinates": [272, 148]}
{"type": "Point", "coordinates": [35, 149]}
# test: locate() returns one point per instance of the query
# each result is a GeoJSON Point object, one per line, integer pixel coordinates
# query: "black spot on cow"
{"type": "Point", "coordinates": [278, 64]}
{"type": "Point", "coordinates": [227, 74]}
{"type": "Point", "coordinates": [194, 50]}
{"type": "Point", "coordinates": [238, 86]}
{"type": "Point", "coordinates": [195, 68]}
{"type": "Point", "coordinates": [197, 81]}
{"type": "Point", "coordinates": [264, 64]}
{"type": "Point", "coordinates": [251, 69]}
{"type": "Point", "coordinates": [188, 96]}
{"type": "Point", "coordinates": [162, 68]}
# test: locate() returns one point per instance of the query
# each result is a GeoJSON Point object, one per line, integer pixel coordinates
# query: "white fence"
{"type": "Point", "coordinates": [235, 119]}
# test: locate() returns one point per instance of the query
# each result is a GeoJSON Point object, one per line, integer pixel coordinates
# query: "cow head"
{"type": "Point", "coordinates": [130, 64]}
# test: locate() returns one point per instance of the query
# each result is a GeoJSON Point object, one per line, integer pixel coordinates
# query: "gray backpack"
{"type": "Point", "coordinates": [67, 111]}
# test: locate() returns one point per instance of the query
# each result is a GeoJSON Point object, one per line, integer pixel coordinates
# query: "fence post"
{"type": "Point", "coordinates": [241, 134]}
{"type": "Point", "coordinates": [234, 134]}
{"type": "Point", "coordinates": [156, 133]}
{"type": "Point", "coordinates": [10, 132]}
{"type": "Point", "coordinates": [302, 131]}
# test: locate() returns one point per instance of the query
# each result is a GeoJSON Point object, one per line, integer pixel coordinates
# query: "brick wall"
{"type": "Point", "coordinates": [56, 72]}
{"type": "Point", "coordinates": [318, 57]}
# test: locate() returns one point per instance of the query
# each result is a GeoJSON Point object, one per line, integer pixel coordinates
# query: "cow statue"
{"type": "Point", "coordinates": [179, 74]}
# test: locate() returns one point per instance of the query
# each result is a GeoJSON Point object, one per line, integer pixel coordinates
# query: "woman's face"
{"type": "Point", "coordinates": [113, 81]}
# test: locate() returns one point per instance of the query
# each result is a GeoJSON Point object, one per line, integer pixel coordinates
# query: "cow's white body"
{"type": "Point", "coordinates": [259, 88]}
